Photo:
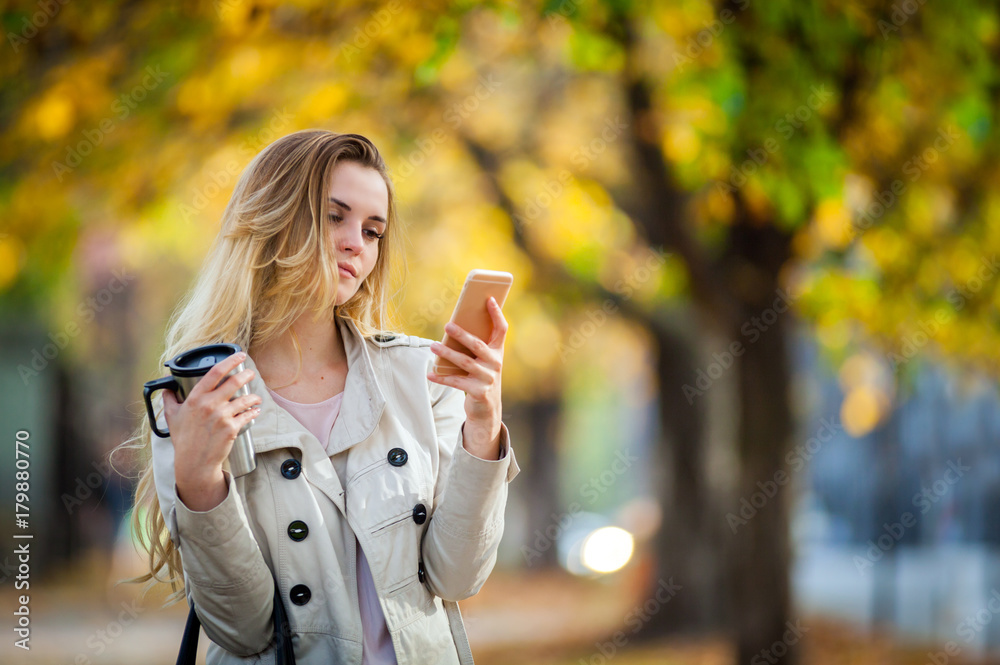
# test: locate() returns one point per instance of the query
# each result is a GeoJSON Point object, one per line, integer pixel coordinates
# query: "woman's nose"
{"type": "Point", "coordinates": [349, 238]}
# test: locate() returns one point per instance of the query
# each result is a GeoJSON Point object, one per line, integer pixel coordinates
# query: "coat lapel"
{"type": "Point", "coordinates": [360, 411]}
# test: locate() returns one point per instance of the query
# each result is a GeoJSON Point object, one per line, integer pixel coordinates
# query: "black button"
{"type": "Point", "coordinates": [298, 530]}
{"type": "Point", "coordinates": [421, 574]}
{"type": "Point", "coordinates": [420, 513]}
{"type": "Point", "coordinates": [291, 469]}
{"type": "Point", "coordinates": [397, 457]}
{"type": "Point", "coordinates": [300, 594]}
{"type": "Point", "coordinates": [383, 337]}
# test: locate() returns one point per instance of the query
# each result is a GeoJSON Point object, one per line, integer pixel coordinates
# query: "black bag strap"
{"type": "Point", "coordinates": [189, 643]}
{"type": "Point", "coordinates": [284, 654]}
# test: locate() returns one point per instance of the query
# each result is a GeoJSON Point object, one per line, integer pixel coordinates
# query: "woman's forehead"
{"type": "Point", "coordinates": [355, 184]}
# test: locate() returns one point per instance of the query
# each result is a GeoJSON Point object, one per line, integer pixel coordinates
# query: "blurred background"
{"type": "Point", "coordinates": [749, 375]}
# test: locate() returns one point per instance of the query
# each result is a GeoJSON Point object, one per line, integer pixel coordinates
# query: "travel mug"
{"type": "Point", "coordinates": [186, 369]}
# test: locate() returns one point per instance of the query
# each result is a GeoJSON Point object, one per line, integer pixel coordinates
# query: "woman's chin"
{"type": "Point", "coordinates": [343, 295]}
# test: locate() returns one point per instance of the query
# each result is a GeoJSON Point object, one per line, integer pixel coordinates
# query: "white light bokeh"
{"type": "Point", "coordinates": [607, 549]}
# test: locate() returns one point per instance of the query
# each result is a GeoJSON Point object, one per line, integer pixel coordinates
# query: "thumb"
{"type": "Point", "coordinates": [169, 398]}
{"type": "Point", "coordinates": [170, 403]}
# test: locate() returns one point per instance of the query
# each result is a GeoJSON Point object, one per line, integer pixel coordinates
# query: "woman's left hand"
{"type": "Point", "coordinates": [481, 431]}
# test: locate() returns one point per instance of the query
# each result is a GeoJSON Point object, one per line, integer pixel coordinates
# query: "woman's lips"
{"type": "Point", "coordinates": [344, 272]}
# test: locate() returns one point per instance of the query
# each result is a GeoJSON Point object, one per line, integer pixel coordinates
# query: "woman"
{"type": "Point", "coordinates": [378, 497]}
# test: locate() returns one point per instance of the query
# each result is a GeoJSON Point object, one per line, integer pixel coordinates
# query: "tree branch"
{"type": "Point", "coordinates": [550, 271]}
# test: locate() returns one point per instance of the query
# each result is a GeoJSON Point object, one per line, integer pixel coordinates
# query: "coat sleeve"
{"type": "Point", "coordinates": [460, 545]}
{"type": "Point", "coordinates": [225, 574]}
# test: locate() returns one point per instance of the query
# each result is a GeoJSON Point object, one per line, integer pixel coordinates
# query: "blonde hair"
{"type": "Point", "coordinates": [270, 263]}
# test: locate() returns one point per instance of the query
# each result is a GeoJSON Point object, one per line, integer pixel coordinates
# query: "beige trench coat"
{"type": "Point", "coordinates": [403, 437]}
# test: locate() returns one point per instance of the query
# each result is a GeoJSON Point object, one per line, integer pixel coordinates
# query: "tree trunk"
{"type": "Point", "coordinates": [684, 542]}
{"type": "Point", "coordinates": [760, 565]}
{"type": "Point", "coordinates": [542, 486]}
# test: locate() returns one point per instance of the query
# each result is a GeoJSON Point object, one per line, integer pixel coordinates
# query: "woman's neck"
{"type": "Point", "coordinates": [322, 351]}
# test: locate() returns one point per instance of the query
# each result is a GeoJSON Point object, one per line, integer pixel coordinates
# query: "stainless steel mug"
{"type": "Point", "coordinates": [186, 370]}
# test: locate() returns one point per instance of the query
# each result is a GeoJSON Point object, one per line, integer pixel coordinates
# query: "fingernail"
{"type": "Point", "coordinates": [241, 355]}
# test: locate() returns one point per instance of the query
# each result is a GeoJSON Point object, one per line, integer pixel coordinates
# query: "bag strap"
{"type": "Point", "coordinates": [188, 654]}
{"type": "Point", "coordinates": [284, 653]}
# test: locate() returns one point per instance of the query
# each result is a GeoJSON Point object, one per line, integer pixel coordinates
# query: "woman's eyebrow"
{"type": "Point", "coordinates": [346, 207]}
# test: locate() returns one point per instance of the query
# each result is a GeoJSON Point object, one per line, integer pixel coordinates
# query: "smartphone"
{"type": "Point", "coordinates": [472, 315]}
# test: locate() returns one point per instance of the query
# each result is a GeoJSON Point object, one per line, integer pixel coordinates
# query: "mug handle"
{"type": "Point", "coordinates": [148, 388]}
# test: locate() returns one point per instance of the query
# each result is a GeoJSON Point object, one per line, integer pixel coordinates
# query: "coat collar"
{"type": "Point", "coordinates": [360, 410]}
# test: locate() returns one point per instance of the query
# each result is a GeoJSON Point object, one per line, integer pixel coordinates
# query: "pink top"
{"type": "Point", "coordinates": [319, 418]}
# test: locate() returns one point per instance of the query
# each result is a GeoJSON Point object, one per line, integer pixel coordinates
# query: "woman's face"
{"type": "Point", "coordinates": [359, 208]}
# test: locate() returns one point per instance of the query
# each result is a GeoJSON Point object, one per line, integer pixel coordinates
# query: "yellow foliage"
{"type": "Point", "coordinates": [11, 259]}
{"type": "Point", "coordinates": [719, 205]}
{"type": "Point", "coordinates": [325, 102]}
{"type": "Point", "coordinates": [805, 245]}
{"type": "Point", "coordinates": [537, 336]}
{"type": "Point", "coordinates": [862, 410]}
{"type": "Point", "coordinates": [681, 143]}
{"type": "Point", "coordinates": [574, 222]}
{"type": "Point", "coordinates": [234, 15]}
{"type": "Point", "coordinates": [930, 276]}
{"type": "Point", "coordinates": [714, 161]}
{"type": "Point", "coordinates": [860, 369]}
{"type": "Point", "coordinates": [54, 116]}
{"type": "Point", "coordinates": [192, 93]}
{"type": "Point", "coordinates": [833, 331]}
{"type": "Point", "coordinates": [962, 264]}
{"type": "Point", "coordinates": [919, 213]}
{"type": "Point", "coordinates": [887, 246]}
{"type": "Point", "coordinates": [833, 223]}
{"type": "Point", "coordinates": [756, 198]}
{"type": "Point", "coordinates": [456, 74]}
{"type": "Point", "coordinates": [560, 125]}
{"type": "Point", "coordinates": [245, 62]}
{"type": "Point", "coordinates": [410, 44]}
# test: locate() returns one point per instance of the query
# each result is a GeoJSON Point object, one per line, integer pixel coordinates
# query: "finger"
{"type": "Point", "coordinates": [244, 402]}
{"type": "Point", "coordinates": [499, 324]}
{"type": "Point", "coordinates": [229, 387]}
{"type": "Point", "coordinates": [453, 380]}
{"type": "Point", "coordinates": [245, 417]}
{"type": "Point", "coordinates": [169, 399]}
{"type": "Point", "coordinates": [217, 373]}
{"type": "Point", "coordinates": [469, 364]}
{"type": "Point", "coordinates": [467, 339]}
{"type": "Point", "coordinates": [170, 405]}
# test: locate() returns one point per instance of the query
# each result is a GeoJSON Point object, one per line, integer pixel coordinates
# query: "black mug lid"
{"type": "Point", "coordinates": [197, 362]}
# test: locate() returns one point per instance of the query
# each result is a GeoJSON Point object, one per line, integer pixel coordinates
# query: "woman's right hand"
{"type": "Point", "coordinates": [203, 428]}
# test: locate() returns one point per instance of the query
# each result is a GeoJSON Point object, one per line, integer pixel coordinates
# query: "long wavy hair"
{"type": "Point", "coordinates": [271, 262]}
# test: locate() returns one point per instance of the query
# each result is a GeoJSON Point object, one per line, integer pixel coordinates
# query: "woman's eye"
{"type": "Point", "coordinates": [371, 234]}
